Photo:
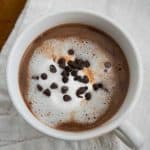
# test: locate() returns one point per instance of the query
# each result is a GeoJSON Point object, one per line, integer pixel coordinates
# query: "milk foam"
{"type": "Point", "coordinates": [53, 110]}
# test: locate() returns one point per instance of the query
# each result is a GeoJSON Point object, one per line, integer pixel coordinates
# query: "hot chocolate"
{"type": "Point", "coordinates": [73, 77]}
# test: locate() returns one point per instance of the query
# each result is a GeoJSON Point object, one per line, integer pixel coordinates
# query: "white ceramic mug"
{"type": "Point", "coordinates": [123, 129]}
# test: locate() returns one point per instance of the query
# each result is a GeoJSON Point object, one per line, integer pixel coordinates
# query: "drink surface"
{"type": "Point", "coordinates": [73, 77]}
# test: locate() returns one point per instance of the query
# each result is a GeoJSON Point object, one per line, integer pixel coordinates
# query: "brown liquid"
{"type": "Point", "coordinates": [83, 32]}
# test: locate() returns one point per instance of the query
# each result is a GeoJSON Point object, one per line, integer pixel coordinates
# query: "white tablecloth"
{"type": "Point", "coordinates": [134, 16]}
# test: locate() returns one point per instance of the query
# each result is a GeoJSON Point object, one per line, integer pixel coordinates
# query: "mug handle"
{"type": "Point", "coordinates": [130, 135]}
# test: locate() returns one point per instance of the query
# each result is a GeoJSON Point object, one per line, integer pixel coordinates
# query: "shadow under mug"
{"type": "Point", "coordinates": [123, 129]}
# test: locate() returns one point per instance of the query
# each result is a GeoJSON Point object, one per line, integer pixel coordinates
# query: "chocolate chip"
{"type": "Point", "coordinates": [79, 78]}
{"type": "Point", "coordinates": [61, 63]}
{"type": "Point", "coordinates": [85, 79]}
{"type": "Point", "coordinates": [67, 98]}
{"type": "Point", "coordinates": [79, 63]}
{"type": "Point", "coordinates": [44, 76]}
{"type": "Point", "coordinates": [72, 64]}
{"type": "Point", "coordinates": [52, 69]}
{"type": "Point", "coordinates": [88, 96]}
{"type": "Point", "coordinates": [81, 90]}
{"type": "Point", "coordinates": [76, 64]}
{"type": "Point", "coordinates": [39, 87]}
{"type": "Point", "coordinates": [65, 79]}
{"type": "Point", "coordinates": [64, 89]}
{"type": "Point", "coordinates": [54, 86]}
{"type": "Point", "coordinates": [74, 73]}
{"type": "Point", "coordinates": [86, 63]}
{"type": "Point", "coordinates": [68, 69]}
{"type": "Point", "coordinates": [35, 77]}
{"type": "Point", "coordinates": [107, 64]}
{"type": "Point", "coordinates": [71, 52]}
{"type": "Point", "coordinates": [75, 78]}
{"type": "Point", "coordinates": [96, 86]}
{"type": "Point", "coordinates": [47, 92]}
{"type": "Point", "coordinates": [100, 85]}
{"type": "Point", "coordinates": [65, 73]}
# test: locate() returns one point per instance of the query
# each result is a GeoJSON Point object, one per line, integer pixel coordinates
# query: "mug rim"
{"type": "Point", "coordinates": [87, 133]}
